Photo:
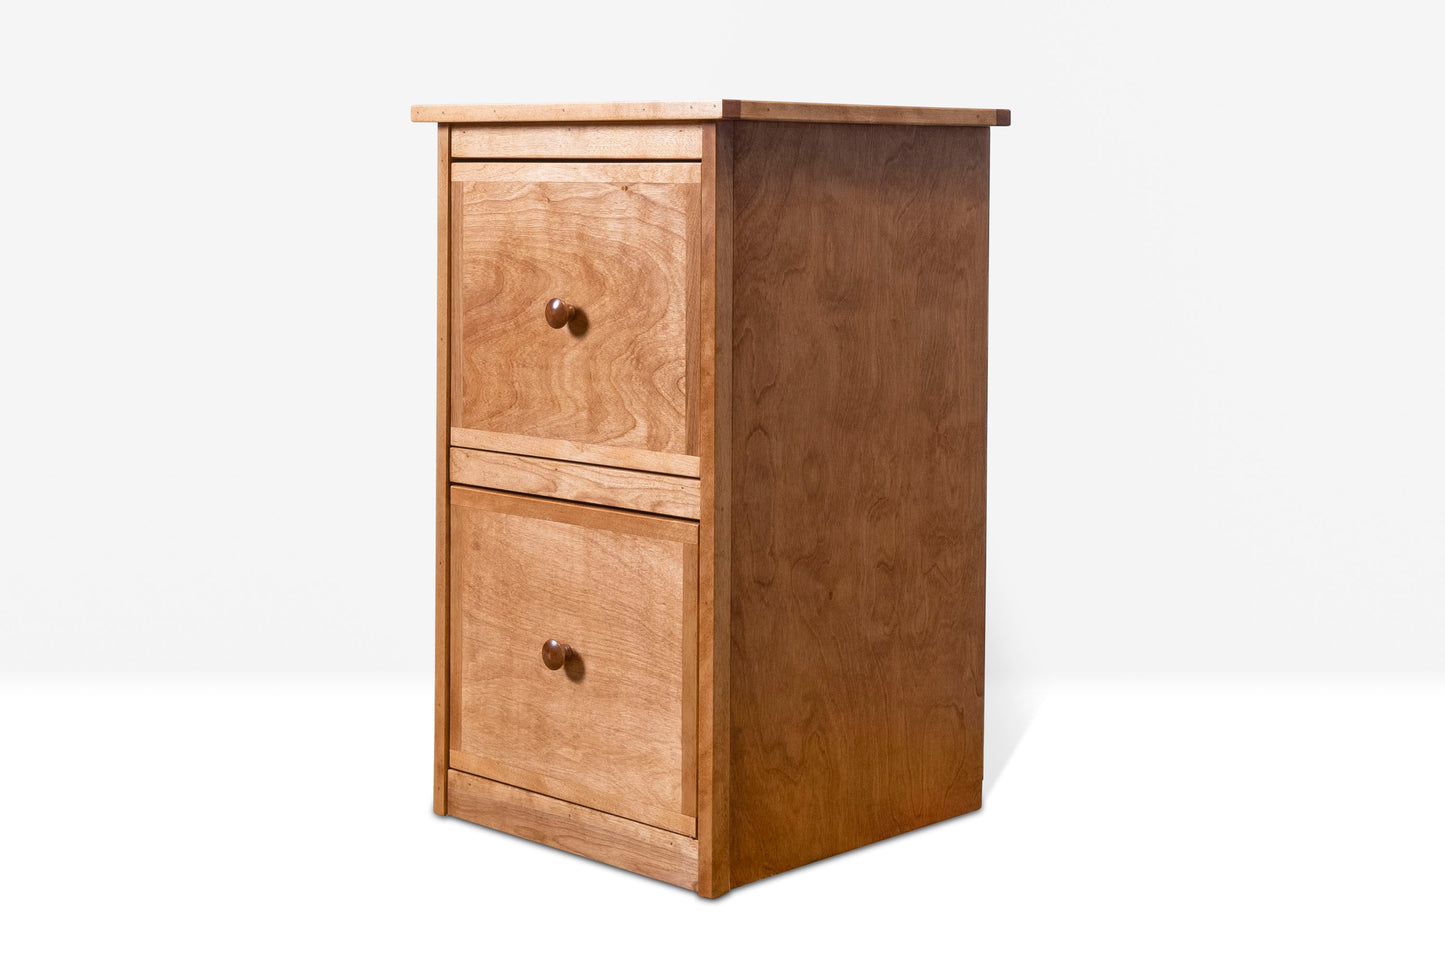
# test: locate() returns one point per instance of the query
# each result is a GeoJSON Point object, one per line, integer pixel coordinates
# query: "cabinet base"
{"type": "Point", "coordinates": [619, 842]}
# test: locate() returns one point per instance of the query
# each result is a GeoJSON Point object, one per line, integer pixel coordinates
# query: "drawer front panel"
{"type": "Point", "coordinates": [618, 243]}
{"type": "Point", "coordinates": [614, 728]}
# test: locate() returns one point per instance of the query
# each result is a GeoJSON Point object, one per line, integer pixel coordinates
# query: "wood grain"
{"type": "Point", "coordinates": [714, 582]}
{"type": "Point", "coordinates": [611, 239]}
{"type": "Point", "coordinates": [661, 817]}
{"type": "Point", "coordinates": [795, 356]}
{"type": "Point", "coordinates": [567, 113]}
{"type": "Point", "coordinates": [763, 110]}
{"type": "Point", "coordinates": [652, 141]}
{"type": "Point", "coordinates": [689, 685]}
{"type": "Point", "coordinates": [616, 487]}
{"type": "Point", "coordinates": [632, 846]}
{"type": "Point", "coordinates": [607, 730]}
{"type": "Point", "coordinates": [858, 443]}
{"type": "Point", "coordinates": [757, 110]}
{"type": "Point", "coordinates": [552, 172]}
{"type": "Point", "coordinates": [439, 734]}
{"type": "Point", "coordinates": [661, 462]}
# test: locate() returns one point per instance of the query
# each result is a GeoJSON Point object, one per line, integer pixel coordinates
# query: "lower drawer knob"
{"type": "Point", "coordinates": [559, 313]}
{"type": "Point", "coordinates": [555, 654]}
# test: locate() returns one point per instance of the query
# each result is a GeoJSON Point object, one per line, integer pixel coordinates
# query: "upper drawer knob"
{"type": "Point", "coordinates": [554, 653]}
{"type": "Point", "coordinates": [560, 313]}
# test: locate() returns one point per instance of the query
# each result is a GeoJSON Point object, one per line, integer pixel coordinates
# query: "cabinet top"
{"type": "Point", "coordinates": [707, 110]}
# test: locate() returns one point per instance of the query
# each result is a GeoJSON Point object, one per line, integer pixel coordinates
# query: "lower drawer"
{"type": "Point", "coordinates": [573, 654]}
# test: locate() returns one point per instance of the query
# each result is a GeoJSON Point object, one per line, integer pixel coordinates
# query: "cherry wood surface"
{"type": "Point", "coordinates": [704, 110]}
{"type": "Point", "coordinates": [443, 421]}
{"type": "Point", "coordinates": [714, 822]}
{"type": "Point", "coordinates": [767, 317]}
{"type": "Point", "coordinates": [636, 490]}
{"type": "Point", "coordinates": [611, 730]}
{"type": "Point", "coordinates": [660, 462]}
{"type": "Point", "coordinates": [858, 408]}
{"type": "Point", "coordinates": [616, 241]}
{"type": "Point", "coordinates": [548, 141]}
{"type": "Point", "coordinates": [670, 857]}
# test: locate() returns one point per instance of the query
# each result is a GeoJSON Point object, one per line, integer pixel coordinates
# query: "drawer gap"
{"type": "Point", "coordinates": [663, 516]}
{"type": "Point", "coordinates": [576, 461]}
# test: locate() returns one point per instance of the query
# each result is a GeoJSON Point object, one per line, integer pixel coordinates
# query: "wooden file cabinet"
{"type": "Point", "coordinates": [710, 477]}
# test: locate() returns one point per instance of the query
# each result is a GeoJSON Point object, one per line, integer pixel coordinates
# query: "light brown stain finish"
{"type": "Point", "coordinates": [439, 737]}
{"type": "Point", "coordinates": [638, 811]}
{"type": "Point", "coordinates": [615, 487]}
{"type": "Point", "coordinates": [660, 462]}
{"type": "Point", "coordinates": [704, 110]}
{"type": "Point", "coordinates": [858, 410]}
{"type": "Point", "coordinates": [606, 732]}
{"type": "Point", "coordinates": [795, 321]}
{"type": "Point", "coordinates": [714, 583]}
{"type": "Point", "coordinates": [612, 240]}
{"type": "Point", "coordinates": [633, 846]}
{"type": "Point", "coordinates": [653, 141]}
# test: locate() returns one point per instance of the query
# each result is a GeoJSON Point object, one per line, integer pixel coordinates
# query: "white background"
{"type": "Point", "coordinates": [1216, 533]}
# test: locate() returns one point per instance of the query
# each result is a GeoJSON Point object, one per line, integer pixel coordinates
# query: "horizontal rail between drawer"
{"type": "Point", "coordinates": [635, 459]}
{"type": "Point", "coordinates": [653, 493]}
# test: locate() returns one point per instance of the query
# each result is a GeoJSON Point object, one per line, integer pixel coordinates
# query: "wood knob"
{"type": "Point", "coordinates": [560, 313]}
{"type": "Point", "coordinates": [555, 654]}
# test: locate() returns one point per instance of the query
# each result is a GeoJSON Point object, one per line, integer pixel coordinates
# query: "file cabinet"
{"type": "Point", "coordinates": [711, 438]}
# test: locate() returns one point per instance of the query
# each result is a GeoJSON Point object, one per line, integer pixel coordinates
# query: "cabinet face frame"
{"type": "Point", "coordinates": [442, 667]}
{"type": "Point", "coordinates": [714, 817]}
{"type": "Point", "coordinates": [704, 867]}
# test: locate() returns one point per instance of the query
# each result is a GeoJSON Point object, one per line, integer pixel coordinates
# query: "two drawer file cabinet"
{"type": "Point", "coordinates": [710, 477]}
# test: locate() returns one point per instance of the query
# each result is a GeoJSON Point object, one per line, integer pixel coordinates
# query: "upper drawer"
{"type": "Point", "coordinates": [615, 385]}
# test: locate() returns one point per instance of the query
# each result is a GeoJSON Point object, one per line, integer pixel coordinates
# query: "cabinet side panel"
{"type": "Point", "coordinates": [858, 442]}
{"type": "Point", "coordinates": [439, 735]}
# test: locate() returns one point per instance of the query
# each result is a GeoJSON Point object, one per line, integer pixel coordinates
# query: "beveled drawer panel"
{"type": "Point", "coordinates": [612, 369]}
{"type": "Point", "coordinates": [613, 726]}
{"type": "Point", "coordinates": [616, 487]}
